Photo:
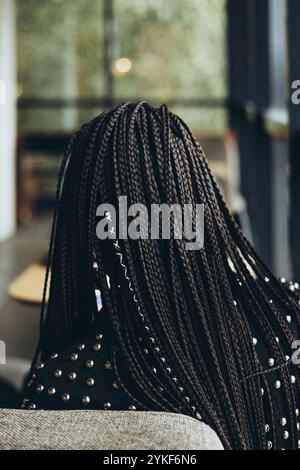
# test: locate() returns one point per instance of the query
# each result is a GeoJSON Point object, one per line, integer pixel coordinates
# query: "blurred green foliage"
{"type": "Point", "coordinates": [177, 50]}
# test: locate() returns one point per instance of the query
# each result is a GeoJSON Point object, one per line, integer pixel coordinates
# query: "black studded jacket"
{"type": "Point", "coordinates": [80, 377]}
{"type": "Point", "coordinates": [83, 377]}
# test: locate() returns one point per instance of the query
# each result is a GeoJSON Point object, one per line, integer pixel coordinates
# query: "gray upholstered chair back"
{"type": "Point", "coordinates": [103, 430]}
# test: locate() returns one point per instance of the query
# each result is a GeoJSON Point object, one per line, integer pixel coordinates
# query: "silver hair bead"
{"type": "Point", "coordinates": [107, 365]}
{"type": "Point", "coordinates": [32, 406]}
{"type": "Point", "coordinates": [296, 285]}
{"type": "Point", "coordinates": [293, 379]}
{"type": "Point", "coordinates": [54, 356]}
{"type": "Point", "coordinates": [262, 391]}
{"type": "Point", "coordinates": [65, 397]}
{"type": "Point", "coordinates": [254, 341]}
{"type": "Point", "coordinates": [154, 370]}
{"type": "Point", "coordinates": [57, 373]}
{"type": "Point", "coordinates": [287, 358]}
{"type": "Point", "coordinates": [73, 357]}
{"type": "Point", "coordinates": [297, 411]}
{"type": "Point", "coordinates": [132, 408]}
{"type": "Point", "coordinates": [90, 382]}
{"type": "Point", "coordinates": [39, 388]}
{"type": "Point", "coordinates": [72, 375]}
{"type": "Point", "coordinates": [89, 363]}
{"type": "Point", "coordinates": [162, 359]}
{"type": "Point", "coordinates": [51, 391]}
{"type": "Point", "coordinates": [277, 384]}
{"type": "Point", "coordinates": [267, 428]}
{"type": "Point", "coordinates": [106, 405]}
{"type": "Point", "coordinates": [267, 279]}
{"type": "Point", "coordinates": [298, 426]}
{"type": "Point", "coordinates": [81, 347]}
{"type": "Point", "coordinates": [99, 336]}
{"type": "Point", "coordinates": [97, 347]}
{"type": "Point", "coordinates": [181, 389]}
{"type": "Point", "coordinates": [115, 385]}
{"type": "Point", "coordinates": [271, 361]}
{"type": "Point", "coordinates": [277, 339]}
{"type": "Point", "coordinates": [40, 365]}
{"type": "Point", "coordinates": [85, 400]}
{"type": "Point", "coordinates": [146, 351]}
{"type": "Point", "coordinates": [283, 280]}
{"type": "Point", "coordinates": [270, 445]}
{"type": "Point", "coordinates": [289, 318]}
{"type": "Point", "coordinates": [297, 356]}
{"type": "Point", "coordinates": [283, 421]}
{"type": "Point", "coordinates": [175, 379]}
{"type": "Point", "coordinates": [271, 301]}
{"type": "Point", "coordinates": [285, 435]}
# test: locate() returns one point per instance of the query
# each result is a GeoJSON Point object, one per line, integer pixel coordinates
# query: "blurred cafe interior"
{"type": "Point", "coordinates": [225, 66]}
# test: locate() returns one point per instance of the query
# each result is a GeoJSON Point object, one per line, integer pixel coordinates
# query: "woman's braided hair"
{"type": "Point", "coordinates": [199, 306]}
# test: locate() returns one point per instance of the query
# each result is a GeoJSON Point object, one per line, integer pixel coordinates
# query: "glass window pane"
{"type": "Point", "coordinates": [170, 51]}
{"type": "Point", "coordinates": [60, 56]}
{"type": "Point", "coordinates": [177, 49]}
